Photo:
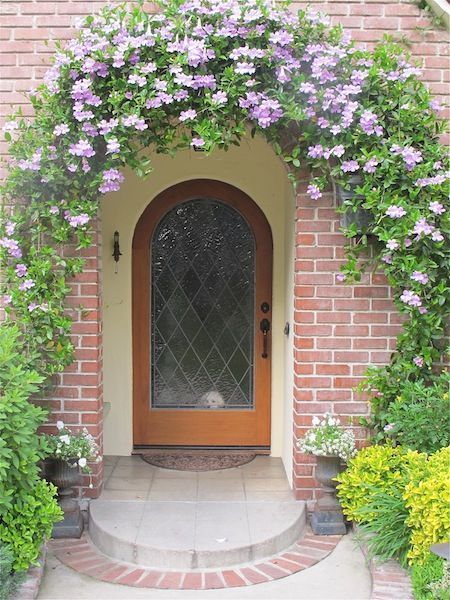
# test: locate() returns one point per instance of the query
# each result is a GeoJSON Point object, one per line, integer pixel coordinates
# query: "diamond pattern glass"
{"type": "Point", "coordinates": [202, 308]}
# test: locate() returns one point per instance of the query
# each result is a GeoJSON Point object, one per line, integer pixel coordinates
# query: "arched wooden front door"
{"type": "Point", "coordinates": [202, 300]}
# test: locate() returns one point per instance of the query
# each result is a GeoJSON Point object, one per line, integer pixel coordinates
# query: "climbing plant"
{"type": "Point", "coordinates": [201, 73]}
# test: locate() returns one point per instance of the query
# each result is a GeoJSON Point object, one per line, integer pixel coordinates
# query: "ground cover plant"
{"type": "Point", "coordinates": [198, 74]}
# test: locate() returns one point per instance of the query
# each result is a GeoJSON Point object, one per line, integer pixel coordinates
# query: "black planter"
{"type": "Point", "coordinates": [362, 218]}
{"type": "Point", "coordinates": [65, 474]}
{"type": "Point", "coordinates": [327, 518]}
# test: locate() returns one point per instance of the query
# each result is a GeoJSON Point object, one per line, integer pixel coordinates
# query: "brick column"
{"type": "Point", "coordinates": [339, 329]}
{"type": "Point", "coordinates": [78, 397]}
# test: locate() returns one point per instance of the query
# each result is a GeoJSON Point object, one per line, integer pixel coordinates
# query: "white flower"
{"type": "Point", "coordinates": [82, 462]}
{"type": "Point", "coordinates": [60, 425]}
{"type": "Point", "coordinates": [65, 439]}
{"type": "Point", "coordinates": [315, 420]}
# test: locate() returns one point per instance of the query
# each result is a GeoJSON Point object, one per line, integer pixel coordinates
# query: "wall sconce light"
{"type": "Point", "coordinates": [116, 250]}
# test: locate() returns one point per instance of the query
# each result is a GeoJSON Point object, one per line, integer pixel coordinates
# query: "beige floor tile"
{"type": "Point", "coordinates": [133, 471]}
{"type": "Point", "coordinates": [264, 485]}
{"type": "Point", "coordinates": [173, 489]}
{"type": "Point", "coordinates": [125, 483]}
{"type": "Point", "coordinates": [131, 495]}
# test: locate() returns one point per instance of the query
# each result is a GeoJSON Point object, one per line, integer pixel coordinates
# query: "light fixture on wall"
{"type": "Point", "coordinates": [116, 250]}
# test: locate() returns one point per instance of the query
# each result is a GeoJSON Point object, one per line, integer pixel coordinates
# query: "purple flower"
{"type": "Point", "coordinates": [389, 427]}
{"type": "Point", "coordinates": [281, 37]}
{"type": "Point", "coordinates": [197, 142]}
{"type": "Point", "coordinates": [307, 88]}
{"type": "Point", "coordinates": [106, 127]}
{"type": "Point", "coordinates": [418, 361]}
{"type": "Point", "coordinates": [436, 105]}
{"type": "Point", "coordinates": [395, 212]}
{"type": "Point", "coordinates": [410, 298]}
{"type": "Point", "coordinates": [219, 98]}
{"type": "Point", "coordinates": [187, 115]}
{"type": "Point", "coordinates": [350, 166]}
{"type": "Point", "coordinates": [387, 258]}
{"type": "Point", "coordinates": [436, 180]}
{"type": "Point", "coordinates": [422, 227]}
{"type": "Point", "coordinates": [338, 150]}
{"type": "Point", "coordinates": [7, 299]}
{"type": "Point", "coordinates": [61, 129]}
{"type": "Point", "coordinates": [368, 122]}
{"type": "Point", "coordinates": [134, 121]}
{"type": "Point", "coordinates": [315, 151]}
{"type": "Point", "coordinates": [26, 285]}
{"type": "Point", "coordinates": [371, 165]}
{"type": "Point", "coordinates": [392, 244]}
{"type": "Point", "coordinates": [10, 227]}
{"type": "Point", "coordinates": [12, 246]}
{"type": "Point", "coordinates": [33, 164]}
{"type": "Point", "coordinates": [244, 68]}
{"type": "Point", "coordinates": [54, 210]}
{"type": "Point", "coordinates": [314, 192]}
{"type": "Point", "coordinates": [437, 236]}
{"type": "Point", "coordinates": [419, 277]}
{"type": "Point", "coordinates": [112, 146]}
{"type": "Point", "coordinates": [204, 81]}
{"type": "Point", "coordinates": [21, 270]}
{"type": "Point", "coordinates": [136, 79]}
{"type": "Point", "coordinates": [340, 277]}
{"type": "Point", "coordinates": [82, 148]}
{"type": "Point", "coordinates": [112, 178]}
{"type": "Point", "coordinates": [77, 220]}
{"type": "Point", "coordinates": [423, 310]}
{"type": "Point", "coordinates": [436, 208]}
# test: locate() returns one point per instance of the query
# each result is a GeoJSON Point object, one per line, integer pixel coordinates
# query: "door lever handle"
{"type": "Point", "coordinates": [265, 328]}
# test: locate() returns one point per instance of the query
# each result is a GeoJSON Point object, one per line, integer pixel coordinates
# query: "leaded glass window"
{"type": "Point", "coordinates": [202, 308]}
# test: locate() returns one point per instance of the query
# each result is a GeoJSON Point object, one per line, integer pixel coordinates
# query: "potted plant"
{"type": "Point", "coordinates": [332, 445]}
{"type": "Point", "coordinates": [68, 455]}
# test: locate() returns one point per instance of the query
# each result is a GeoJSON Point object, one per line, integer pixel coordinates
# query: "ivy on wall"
{"type": "Point", "coordinates": [196, 75]}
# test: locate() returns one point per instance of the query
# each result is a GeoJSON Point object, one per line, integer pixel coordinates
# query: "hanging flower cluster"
{"type": "Point", "coordinates": [198, 74]}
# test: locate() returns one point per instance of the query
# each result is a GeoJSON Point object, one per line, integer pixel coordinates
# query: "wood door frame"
{"type": "Point", "coordinates": [141, 282]}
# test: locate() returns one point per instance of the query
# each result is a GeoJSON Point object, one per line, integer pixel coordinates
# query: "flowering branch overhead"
{"type": "Point", "coordinates": [197, 74]}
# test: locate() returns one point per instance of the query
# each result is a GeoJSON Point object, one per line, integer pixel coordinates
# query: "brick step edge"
{"type": "Point", "coordinates": [82, 556]}
{"type": "Point", "coordinates": [30, 587]}
{"type": "Point", "coordinates": [390, 581]}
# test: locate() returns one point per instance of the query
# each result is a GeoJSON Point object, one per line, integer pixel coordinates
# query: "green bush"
{"type": "Point", "coordinates": [429, 573]}
{"type": "Point", "coordinates": [401, 496]}
{"type": "Point", "coordinates": [373, 470]}
{"type": "Point", "coordinates": [27, 505]}
{"type": "Point", "coordinates": [419, 418]}
{"type": "Point", "coordinates": [427, 498]}
{"type": "Point", "coordinates": [28, 522]}
{"type": "Point", "coordinates": [9, 581]}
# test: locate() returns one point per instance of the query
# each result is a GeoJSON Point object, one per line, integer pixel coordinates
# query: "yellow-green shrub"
{"type": "Point", "coordinates": [373, 470]}
{"type": "Point", "coordinates": [427, 498]}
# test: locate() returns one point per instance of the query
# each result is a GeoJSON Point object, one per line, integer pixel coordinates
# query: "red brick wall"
{"type": "Point", "coordinates": [339, 329]}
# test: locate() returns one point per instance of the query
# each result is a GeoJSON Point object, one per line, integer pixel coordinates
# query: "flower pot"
{"type": "Point", "coordinates": [362, 218]}
{"type": "Point", "coordinates": [65, 474]}
{"type": "Point", "coordinates": [327, 518]}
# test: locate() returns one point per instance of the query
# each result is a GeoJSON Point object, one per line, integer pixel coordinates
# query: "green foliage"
{"type": "Point", "coordinates": [27, 505]}
{"type": "Point", "coordinates": [420, 417]}
{"type": "Point", "coordinates": [431, 571]}
{"type": "Point", "coordinates": [9, 581]}
{"type": "Point", "coordinates": [373, 470]}
{"type": "Point", "coordinates": [29, 521]}
{"type": "Point", "coordinates": [398, 492]}
{"type": "Point", "coordinates": [427, 498]}
{"type": "Point", "coordinates": [19, 419]}
{"type": "Point", "coordinates": [384, 528]}
{"type": "Point", "coordinates": [404, 407]}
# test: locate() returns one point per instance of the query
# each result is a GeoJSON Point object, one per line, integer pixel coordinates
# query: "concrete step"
{"type": "Point", "coordinates": [167, 534]}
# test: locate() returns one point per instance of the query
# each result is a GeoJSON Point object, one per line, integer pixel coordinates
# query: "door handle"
{"type": "Point", "coordinates": [265, 328]}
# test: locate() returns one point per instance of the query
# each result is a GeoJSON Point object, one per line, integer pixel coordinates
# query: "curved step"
{"type": "Point", "coordinates": [194, 535]}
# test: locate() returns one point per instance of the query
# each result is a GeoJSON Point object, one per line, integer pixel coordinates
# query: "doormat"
{"type": "Point", "coordinates": [197, 462]}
